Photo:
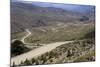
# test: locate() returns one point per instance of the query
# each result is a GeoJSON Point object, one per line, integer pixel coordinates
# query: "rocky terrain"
{"type": "Point", "coordinates": [78, 51]}
{"type": "Point", "coordinates": [28, 15]}
{"type": "Point", "coordinates": [51, 33]}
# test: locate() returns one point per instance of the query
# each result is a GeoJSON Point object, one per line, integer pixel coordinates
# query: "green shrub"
{"type": "Point", "coordinates": [17, 47]}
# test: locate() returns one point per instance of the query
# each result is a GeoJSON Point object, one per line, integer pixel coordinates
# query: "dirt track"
{"type": "Point", "coordinates": [28, 34]}
{"type": "Point", "coordinates": [36, 52]}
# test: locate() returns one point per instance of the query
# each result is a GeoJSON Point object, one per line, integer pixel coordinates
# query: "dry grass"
{"type": "Point", "coordinates": [59, 33]}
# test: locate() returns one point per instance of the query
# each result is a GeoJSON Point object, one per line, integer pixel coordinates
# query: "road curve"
{"type": "Point", "coordinates": [23, 39]}
{"type": "Point", "coordinates": [36, 52]}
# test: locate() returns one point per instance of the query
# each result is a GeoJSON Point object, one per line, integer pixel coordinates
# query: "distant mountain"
{"type": "Point", "coordinates": [34, 14]}
{"type": "Point", "coordinates": [70, 7]}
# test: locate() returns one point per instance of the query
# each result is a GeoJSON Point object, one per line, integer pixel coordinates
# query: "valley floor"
{"type": "Point", "coordinates": [56, 44]}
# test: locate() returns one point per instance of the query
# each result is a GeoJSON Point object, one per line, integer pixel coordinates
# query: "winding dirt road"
{"type": "Point", "coordinates": [29, 33]}
{"type": "Point", "coordinates": [23, 39]}
{"type": "Point", "coordinates": [36, 52]}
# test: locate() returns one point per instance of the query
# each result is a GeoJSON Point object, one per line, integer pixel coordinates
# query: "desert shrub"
{"type": "Point", "coordinates": [51, 60]}
{"type": "Point", "coordinates": [21, 63]}
{"type": "Point", "coordinates": [17, 47]}
{"type": "Point", "coordinates": [51, 54]}
{"type": "Point", "coordinates": [90, 34]}
{"type": "Point", "coordinates": [33, 60]}
{"type": "Point", "coordinates": [27, 62]}
{"type": "Point", "coordinates": [37, 62]}
{"type": "Point", "coordinates": [69, 53]}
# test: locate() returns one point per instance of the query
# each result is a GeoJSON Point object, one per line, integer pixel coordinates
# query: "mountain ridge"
{"type": "Point", "coordinates": [26, 15]}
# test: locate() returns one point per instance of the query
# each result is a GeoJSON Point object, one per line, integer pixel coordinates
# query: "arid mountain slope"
{"type": "Point", "coordinates": [26, 15]}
